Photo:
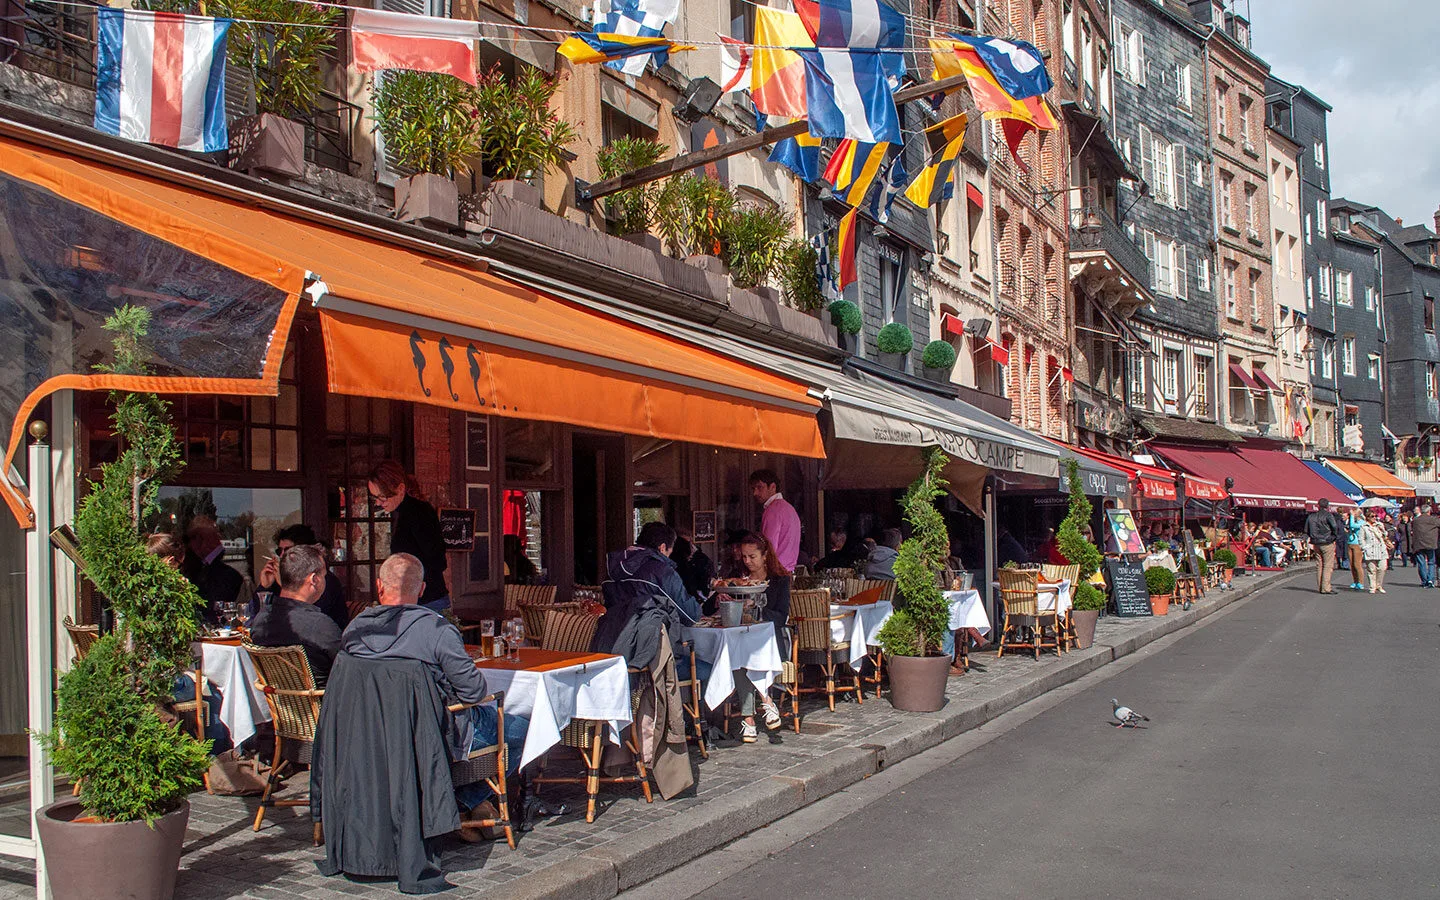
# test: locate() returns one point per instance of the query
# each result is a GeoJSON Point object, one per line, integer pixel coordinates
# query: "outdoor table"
{"type": "Point", "coordinates": [225, 664]}
{"type": "Point", "coordinates": [1053, 595]}
{"type": "Point", "coordinates": [967, 611]}
{"type": "Point", "coordinates": [551, 687]}
{"type": "Point", "coordinates": [859, 625]}
{"type": "Point", "coordinates": [749, 647]}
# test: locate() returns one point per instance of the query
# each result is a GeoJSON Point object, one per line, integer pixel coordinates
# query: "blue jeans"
{"type": "Point", "coordinates": [216, 731]}
{"type": "Point", "coordinates": [1425, 562]}
{"type": "Point", "coordinates": [702, 668]}
{"type": "Point", "coordinates": [1265, 556]}
{"type": "Point", "coordinates": [487, 730]}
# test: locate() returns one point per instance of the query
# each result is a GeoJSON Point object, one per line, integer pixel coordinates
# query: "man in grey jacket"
{"type": "Point", "coordinates": [400, 629]}
{"type": "Point", "coordinates": [1424, 538]}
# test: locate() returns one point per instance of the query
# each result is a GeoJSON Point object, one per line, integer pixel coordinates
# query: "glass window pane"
{"type": "Point", "coordinates": [287, 451]}
{"type": "Point", "coordinates": [261, 410]}
{"type": "Point", "coordinates": [359, 415]}
{"type": "Point", "coordinates": [201, 406]}
{"type": "Point", "coordinates": [287, 405]}
{"type": "Point", "coordinates": [231, 455]}
{"type": "Point", "coordinates": [359, 500]}
{"type": "Point", "coordinates": [529, 450]}
{"type": "Point", "coordinates": [232, 409]}
{"type": "Point", "coordinates": [335, 412]}
{"type": "Point", "coordinates": [335, 459]}
{"type": "Point", "coordinates": [200, 446]}
{"type": "Point", "coordinates": [260, 449]}
{"type": "Point", "coordinates": [382, 538]}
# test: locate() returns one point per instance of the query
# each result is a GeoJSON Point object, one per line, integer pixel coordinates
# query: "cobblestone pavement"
{"type": "Point", "coordinates": [224, 858]}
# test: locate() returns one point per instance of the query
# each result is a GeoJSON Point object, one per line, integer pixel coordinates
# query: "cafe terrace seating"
{"type": "Point", "coordinates": [588, 738]}
{"type": "Point", "coordinates": [568, 630]}
{"type": "Point", "coordinates": [1070, 573]}
{"type": "Point", "coordinates": [1024, 620]}
{"type": "Point", "coordinates": [487, 764]}
{"type": "Point", "coordinates": [813, 645]}
{"type": "Point", "coordinates": [536, 614]}
{"type": "Point", "coordinates": [517, 595]}
{"type": "Point", "coordinates": [82, 636]}
{"type": "Point", "coordinates": [284, 675]}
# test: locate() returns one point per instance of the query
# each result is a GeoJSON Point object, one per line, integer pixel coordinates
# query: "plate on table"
{"type": "Point", "coordinates": [742, 590]}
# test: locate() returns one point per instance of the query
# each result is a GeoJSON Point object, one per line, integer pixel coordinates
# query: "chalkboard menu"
{"type": "Point", "coordinates": [1128, 590]}
{"type": "Point", "coordinates": [457, 528]}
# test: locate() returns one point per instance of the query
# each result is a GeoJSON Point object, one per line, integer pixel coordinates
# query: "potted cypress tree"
{"type": "Point", "coordinates": [1160, 581]}
{"type": "Point", "coordinates": [1088, 599]}
{"type": "Point", "coordinates": [428, 122]}
{"type": "Point", "coordinates": [911, 638]}
{"type": "Point", "coordinates": [631, 211]}
{"type": "Point", "coordinates": [521, 137]}
{"type": "Point", "coordinates": [938, 358]}
{"type": "Point", "coordinates": [848, 321]}
{"type": "Point", "coordinates": [894, 343]}
{"type": "Point", "coordinates": [121, 837]}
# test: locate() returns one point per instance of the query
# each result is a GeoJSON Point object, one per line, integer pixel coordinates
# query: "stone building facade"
{"type": "Point", "coordinates": [1287, 246]}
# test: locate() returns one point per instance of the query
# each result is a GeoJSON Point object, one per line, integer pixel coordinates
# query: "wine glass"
{"type": "Point", "coordinates": [519, 636]}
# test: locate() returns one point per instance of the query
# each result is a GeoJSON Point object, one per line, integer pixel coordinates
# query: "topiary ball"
{"type": "Point", "coordinates": [895, 338]}
{"type": "Point", "coordinates": [845, 316]}
{"type": "Point", "coordinates": [938, 355]}
{"type": "Point", "coordinates": [1160, 581]}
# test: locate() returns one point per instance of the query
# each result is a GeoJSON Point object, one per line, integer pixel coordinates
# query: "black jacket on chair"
{"type": "Point", "coordinates": [380, 780]}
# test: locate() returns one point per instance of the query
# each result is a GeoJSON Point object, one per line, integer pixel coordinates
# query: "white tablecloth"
{"type": "Point", "coordinates": [967, 611]}
{"type": "Point", "coordinates": [230, 669]}
{"type": "Point", "coordinates": [550, 699]}
{"type": "Point", "coordinates": [1048, 595]}
{"type": "Point", "coordinates": [749, 647]}
{"type": "Point", "coordinates": [860, 626]}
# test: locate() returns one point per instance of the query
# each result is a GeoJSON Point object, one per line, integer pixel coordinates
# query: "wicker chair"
{"type": "Point", "coordinates": [1070, 573]}
{"type": "Point", "coordinates": [1018, 592]}
{"type": "Point", "coordinates": [535, 615]}
{"type": "Point", "coordinates": [855, 586]}
{"type": "Point", "coordinates": [488, 764]}
{"type": "Point", "coordinates": [587, 737]}
{"type": "Point", "coordinates": [814, 644]}
{"type": "Point", "coordinates": [692, 694]}
{"type": "Point", "coordinates": [568, 631]}
{"type": "Point", "coordinates": [82, 636]}
{"type": "Point", "coordinates": [517, 595]}
{"type": "Point", "coordinates": [284, 675]}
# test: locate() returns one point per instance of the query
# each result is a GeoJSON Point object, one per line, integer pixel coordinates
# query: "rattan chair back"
{"type": "Point", "coordinates": [83, 637]}
{"type": "Point", "coordinates": [283, 673]}
{"type": "Point", "coordinates": [516, 595]}
{"type": "Point", "coordinates": [811, 611]}
{"type": "Point", "coordinates": [1018, 590]}
{"type": "Point", "coordinates": [1069, 573]}
{"type": "Point", "coordinates": [568, 631]}
{"type": "Point", "coordinates": [854, 586]}
{"type": "Point", "coordinates": [535, 615]}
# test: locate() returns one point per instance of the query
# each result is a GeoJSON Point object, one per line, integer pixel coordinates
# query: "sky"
{"type": "Point", "coordinates": [1376, 63]}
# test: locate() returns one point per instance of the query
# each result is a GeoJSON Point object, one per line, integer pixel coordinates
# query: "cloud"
{"type": "Point", "coordinates": [1379, 71]}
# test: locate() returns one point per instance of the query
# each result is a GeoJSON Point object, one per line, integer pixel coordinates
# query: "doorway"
{"type": "Point", "coordinates": [601, 508]}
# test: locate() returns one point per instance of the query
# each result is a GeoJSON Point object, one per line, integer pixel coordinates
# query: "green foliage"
{"type": "Point", "coordinates": [1088, 596]}
{"type": "Point", "coordinates": [693, 214]}
{"type": "Point", "coordinates": [630, 210]}
{"type": "Point", "coordinates": [427, 120]}
{"type": "Point", "coordinates": [938, 355]}
{"type": "Point", "coordinates": [283, 42]}
{"type": "Point", "coordinates": [895, 338]}
{"type": "Point", "coordinates": [846, 317]}
{"type": "Point", "coordinates": [131, 764]}
{"type": "Point", "coordinates": [1226, 557]}
{"type": "Point", "coordinates": [754, 242]}
{"type": "Point", "coordinates": [107, 731]}
{"type": "Point", "coordinates": [1071, 535]}
{"type": "Point", "coordinates": [798, 276]}
{"type": "Point", "coordinates": [520, 135]}
{"type": "Point", "coordinates": [918, 626]}
{"type": "Point", "coordinates": [1204, 566]}
{"type": "Point", "coordinates": [1160, 581]}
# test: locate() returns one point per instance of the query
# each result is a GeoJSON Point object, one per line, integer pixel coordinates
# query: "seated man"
{"type": "Point", "coordinates": [880, 565]}
{"type": "Point", "coordinates": [293, 618]}
{"type": "Point", "coordinates": [401, 629]}
{"type": "Point", "coordinates": [331, 602]}
{"type": "Point", "coordinates": [644, 591]}
{"type": "Point", "coordinates": [206, 568]}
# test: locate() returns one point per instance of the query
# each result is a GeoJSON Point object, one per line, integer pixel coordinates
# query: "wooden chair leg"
{"type": "Point", "coordinates": [318, 835]}
{"type": "Point", "coordinates": [592, 776]}
{"type": "Point", "coordinates": [269, 782]}
{"type": "Point", "coordinates": [640, 766]}
{"type": "Point", "coordinates": [879, 671]}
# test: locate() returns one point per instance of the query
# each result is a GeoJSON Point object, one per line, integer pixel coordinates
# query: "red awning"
{"type": "Point", "coordinates": [1270, 479]}
{"type": "Point", "coordinates": [974, 195]}
{"type": "Point", "coordinates": [1267, 382]}
{"type": "Point", "coordinates": [998, 354]}
{"type": "Point", "coordinates": [1243, 377]}
{"type": "Point", "coordinates": [1155, 482]}
{"type": "Point", "coordinates": [951, 324]}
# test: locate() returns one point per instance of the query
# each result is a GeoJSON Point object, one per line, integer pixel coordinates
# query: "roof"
{"type": "Point", "coordinates": [1187, 429]}
{"type": "Point", "coordinates": [1302, 90]}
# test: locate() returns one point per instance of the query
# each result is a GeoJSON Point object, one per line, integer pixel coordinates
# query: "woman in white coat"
{"type": "Point", "coordinates": [1373, 549]}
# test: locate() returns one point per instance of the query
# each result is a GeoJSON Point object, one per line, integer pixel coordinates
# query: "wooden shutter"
{"type": "Point", "coordinates": [1182, 270]}
{"type": "Point", "coordinates": [1181, 176]}
{"type": "Point", "coordinates": [1147, 157]}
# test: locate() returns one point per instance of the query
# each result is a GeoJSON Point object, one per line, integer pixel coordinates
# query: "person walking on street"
{"type": "Point", "coordinates": [1401, 537]}
{"type": "Point", "coordinates": [1375, 551]}
{"type": "Point", "coordinates": [1424, 537]}
{"type": "Point", "coordinates": [1323, 529]}
{"type": "Point", "coordinates": [1353, 526]}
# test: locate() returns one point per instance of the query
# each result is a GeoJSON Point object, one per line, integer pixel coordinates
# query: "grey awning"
{"type": "Point", "coordinates": [1425, 488]}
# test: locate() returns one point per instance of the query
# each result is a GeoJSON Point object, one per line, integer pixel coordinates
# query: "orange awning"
{"type": "Point", "coordinates": [1372, 478]}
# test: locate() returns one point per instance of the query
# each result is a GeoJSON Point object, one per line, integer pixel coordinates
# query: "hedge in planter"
{"type": "Point", "coordinates": [1160, 581]}
{"type": "Point", "coordinates": [938, 355]}
{"type": "Point", "coordinates": [1226, 558]}
{"type": "Point", "coordinates": [427, 120]}
{"type": "Point", "coordinates": [895, 338]}
{"type": "Point", "coordinates": [846, 317]}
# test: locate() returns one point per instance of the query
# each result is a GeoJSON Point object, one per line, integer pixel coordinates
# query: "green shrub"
{"type": "Point", "coordinates": [938, 355]}
{"type": "Point", "coordinates": [754, 241]}
{"type": "Point", "coordinates": [845, 316]}
{"type": "Point", "coordinates": [1088, 596]}
{"type": "Point", "coordinates": [1226, 557]}
{"type": "Point", "coordinates": [282, 42]}
{"type": "Point", "coordinates": [1071, 535]}
{"type": "Point", "coordinates": [918, 626]}
{"type": "Point", "coordinates": [520, 134]}
{"type": "Point", "coordinates": [692, 213]}
{"type": "Point", "coordinates": [1204, 566]}
{"type": "Point", "coordinates": [1160, 581]}
{"type": "Point", "coordinates": [630, 210]}
{"type": "Point", "coordinates": [895, 338]}
{"type": "Point", "coordinates": [427, 120]}
{"type": "Point", "coordinates": [799, 277]}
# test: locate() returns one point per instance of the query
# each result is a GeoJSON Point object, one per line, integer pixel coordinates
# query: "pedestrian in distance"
{"type": "Point", "coordinates": [1324, 529]}
{"type": "Point", "coordinates": [1354, 524]}
{"type": "Point", "coordinates": [1424, 537]}
{"type": "Point", "coordinates": [1375, 551]}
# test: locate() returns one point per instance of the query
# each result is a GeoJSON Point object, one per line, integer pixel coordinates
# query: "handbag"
{"type": "Point", "coordinates": [232, 775]}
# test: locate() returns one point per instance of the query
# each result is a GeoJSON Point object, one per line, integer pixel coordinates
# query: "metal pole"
{"type": "Point", "coordinates": [990, 532]}
{"type": "Point", "coordinates": [39, 610]}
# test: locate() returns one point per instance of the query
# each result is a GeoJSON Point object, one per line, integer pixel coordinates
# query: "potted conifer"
{"type": "Point", "coordinates": [848, 321]}
{"type": "Point", "coordinates": [894, 343]}
{"type": "Point", "coordinates": [521, 136]}
{"type": "Point", "coordinates": [938, 359]}
{"type": "Point", "coordinates": [121, 837]}
{"type": "Point", "coordinates": [911, 638]}
{"type": "Point", "coordinates": [1226, 559]}
{"type": "Point", "coordinates": [1088, 600]}
{"type": "Point", "coordinates": [428, 122]}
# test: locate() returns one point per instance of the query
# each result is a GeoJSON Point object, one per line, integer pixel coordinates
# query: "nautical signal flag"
{"type": "Point", "coordinates": [936, 181]}
{"type": "Point", "coordinates": [848, 94]}
{"type": "Point", "coordinates": [854, 23]}
{"type": "Point", "coordinates": [735, 59]}
{"type": "Point", "coordinates": [845, 242]}
{"type": "Point", "coordinates": [952, 57]}
{"type": "Point", "coordinates": [598, 47]}
{"type": "Point", "coordinates": [799, 154]}
{"type": "Point", "coordinates": [893, 184]}
{"type": "Point", "coordinates": [392, 40]}
{"type": "Point", "coordinates": [853, 167]}
{"type": "Point", "coordinates": [1017, 66]}
{"type": "Point", "coordinates": [160, 78]}
{"type": "Point", "coordinates": [777, 80]}
{"type": "Point", "coordinates": [637, 18]}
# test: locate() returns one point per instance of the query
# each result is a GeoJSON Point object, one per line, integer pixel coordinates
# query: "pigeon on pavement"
{"type": "Point", "coordinates": [1125, 717]}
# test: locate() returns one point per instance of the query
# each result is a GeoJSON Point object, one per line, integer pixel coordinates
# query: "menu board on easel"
{"type": "Point", "coordinates": [1126, 532]}
{"type": "Point", "coordinates": [1128, 590]}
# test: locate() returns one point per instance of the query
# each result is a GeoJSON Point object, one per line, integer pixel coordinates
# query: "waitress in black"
{"type": "Point", "coordinates": [414, 528]}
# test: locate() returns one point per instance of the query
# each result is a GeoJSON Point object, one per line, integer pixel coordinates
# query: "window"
{"type": "Point", "coordinates": [1307, 228]}
{"type": "Point", "coordinates": [1429, 314]}
{"type": "Point", "coordinates": [1197, 172]}
{"type": "Point", "coordinates": [1245, 104]}
{"type": "Point", "coordinates": [1202, 274]}
{"type": "Point", "coordinates": [1068, 37]}
{"type": "Point", "coordinates": [1170, 375]}
{"type": "Point", "coordinates": [1232, 300]}
{"type": "Point", "coordinates": [1347, 356]}
{"type": "Point", "coordinates": [1372, 367]}
{"type": "Point", "coordinates": [1202, 386]}
{"type": "Point", "coordinates": [892, 290]}
{"type": "Point", "coordinates": [1344, 288]}
{"type": "Point", "coordinates": [1227, 201]}
{"type": "Point", "coordinates": [1222, 116]}
{"type": "Point", "coordinates": [1138, 397]}
{"type": "Point", "coordinates": [1322, 218]}
{"type": "Point", "coordinates": [1275, 182]}
{"type": "Point", "coordinates": [1327, 276]}
{"type": "Point", "coordinates": [1105, 90]}
{"type": "Point", "coordinates": [1319, 154]}
{"type": "Point", "coordinates": [1369, 297]}
{"type": "Point", "coordinates": [1087, 56]}
{"type": "Point", "coordinates": [1309, 291]}
{"type": "Point", "coordinates": [1252, 212]}
{"type": "Point", "coordinates": [1289, 189]}
{"type": "Point", "coordinates": [1294, 247]}
{"type": "Point", "coordinates": [1257, 308]}
{"type": "Point", "coordinates": [1327, 359]}
{"type": "Point", "coordinates": [1183, 86]}
{"type": "Point", "coordinates": [1430, 381]}
{"type": "Point", "coordinates": [1130, 54]}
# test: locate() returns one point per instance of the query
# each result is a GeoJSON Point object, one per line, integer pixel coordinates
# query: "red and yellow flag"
{"type": "Point", "coordinates": [845, 238]}
{"type": "Point", "coordinates": [777, 74]}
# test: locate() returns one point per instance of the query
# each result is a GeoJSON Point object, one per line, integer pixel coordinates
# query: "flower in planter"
{"type": "Point", "coordinates": [938, 355]}
{"type": "Point", "coordinates": [895, 338]}
{"type": "Point", "coordinates": [845, 316]}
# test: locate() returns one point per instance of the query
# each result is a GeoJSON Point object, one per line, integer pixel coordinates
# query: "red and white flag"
{"type": "Point", "coordinates": [734, 65]}
{"type": "Point", "coordinates": [390, 40]}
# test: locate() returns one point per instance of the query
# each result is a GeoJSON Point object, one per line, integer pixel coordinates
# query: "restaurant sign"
{"type": "Point", "coordinates": [980, 448]}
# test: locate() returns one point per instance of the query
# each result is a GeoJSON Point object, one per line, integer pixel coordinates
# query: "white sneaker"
{"type": "Point", "coordinates": [748, 734]}
{"type": "Point", "coordinates": [772, 713]}
{"type": "Point", "coordinates": [1382, 590]}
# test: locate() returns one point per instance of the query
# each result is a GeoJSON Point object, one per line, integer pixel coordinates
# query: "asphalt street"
{"type": "Point", "coordinates": [1293, 751]}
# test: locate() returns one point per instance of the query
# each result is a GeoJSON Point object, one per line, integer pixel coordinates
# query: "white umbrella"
{"type": "Point", "coordinates": [1376, 503]}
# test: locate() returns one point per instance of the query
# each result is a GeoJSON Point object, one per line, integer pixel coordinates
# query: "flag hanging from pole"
{"type": "Point", "coordinates": [845, 241]}
{"type": "Point", "coordinates": [799, 154]}
{"type": "Point", "coordinates": [160, 78]}
{"type": "Point", "coordinates": [380, 39]}
{"type": "Point", "coordinates": [848, 93]}
{"type": "Point", "coordinates": [857, 23]}
{"type": "Point", "coordinates": [893, 186]}
{"type": "Point", "coordinates": [936, 182]}
{"type": "Point", "coordinates": [853, 168]}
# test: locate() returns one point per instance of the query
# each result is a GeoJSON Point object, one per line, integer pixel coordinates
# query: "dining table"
{"type": "Point", "coordinates": [552, 687]}
{"type": "Point", "coordinates": [225, 664]}
{"type": "Point", "coordinates": [748, 646]}
{"type": "Point", "coordinates": [967, 610]}
{"type": "Point", "coordinates": [1053, 595]}
{"type": "Point", "coordinates": [859, 623]}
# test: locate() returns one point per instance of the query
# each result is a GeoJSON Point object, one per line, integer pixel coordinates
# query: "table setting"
{"type": "Point", "coordinates": [748, 645]}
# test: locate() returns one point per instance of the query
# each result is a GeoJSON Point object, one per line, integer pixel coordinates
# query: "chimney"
{"type": "Point", "coordinates": [1437, 221]}
{"type": "Point", "coordinates": [1399, 222]}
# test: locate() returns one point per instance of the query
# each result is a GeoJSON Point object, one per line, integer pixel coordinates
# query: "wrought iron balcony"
{"type": "Point", "coordinates": [1123, 270]}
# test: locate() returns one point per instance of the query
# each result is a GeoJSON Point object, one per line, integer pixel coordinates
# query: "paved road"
{"type": "Point", "coordinates": [1292, 753]}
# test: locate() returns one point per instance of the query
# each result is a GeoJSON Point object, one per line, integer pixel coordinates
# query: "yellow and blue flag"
{"type": "Point", "coordinates": [799, 154]}
{"type": "Point", "coordinates": [936, 181]}
{"type": "Point", "coordinates": [599, 47]}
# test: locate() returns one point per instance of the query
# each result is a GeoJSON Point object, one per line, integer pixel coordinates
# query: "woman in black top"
{"type": "Point", "coordinates": [759, 563]}
{"type": "Point", "coordinates": [414, 528]}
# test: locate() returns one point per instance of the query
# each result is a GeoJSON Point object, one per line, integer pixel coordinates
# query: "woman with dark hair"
{"type": "Point", "coordinates": [759, 563]}
{"type": "Point", "coordinates": [414, 528]}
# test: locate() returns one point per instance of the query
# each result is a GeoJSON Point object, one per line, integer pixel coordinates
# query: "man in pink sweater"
{"type": "Point", "coordinates": [779, 522]}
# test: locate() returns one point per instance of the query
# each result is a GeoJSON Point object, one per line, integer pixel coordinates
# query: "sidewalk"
{"type": "Point", "coordinates": [738, 789]}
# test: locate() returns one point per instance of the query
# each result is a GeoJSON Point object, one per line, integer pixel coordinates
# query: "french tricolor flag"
{"type": "Point", "coordinates": [161, 78]}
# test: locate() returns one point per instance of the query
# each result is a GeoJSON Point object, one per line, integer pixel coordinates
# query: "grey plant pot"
{"type": "Point", "coordinates": [90, 859]}
{"type": "Point", "coordinates": [894, 361]}
{"type": "Point", "coordinates": [850, 343]}
{"type": "Point", "coordinates": [268, 144]}
{"type": "Point", "coordinates": [708, 263]}
{"type": "Point", "coordinates": [644, 239]}
{"type": "Point", "coordinates": [769, 293]}
{"type": "Point", "coordinates": [940, 375]}
{"type": "Point", "coordinates": [431, 200]}
{"type": "Point", "coordinates": [519, 191]}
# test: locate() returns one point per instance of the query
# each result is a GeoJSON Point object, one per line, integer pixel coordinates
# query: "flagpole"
{"type": "Point", "coordinates": [686, 161]}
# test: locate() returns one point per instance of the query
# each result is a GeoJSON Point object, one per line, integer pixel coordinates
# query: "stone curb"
{"type": "Point", "coordinates": [602, 872]}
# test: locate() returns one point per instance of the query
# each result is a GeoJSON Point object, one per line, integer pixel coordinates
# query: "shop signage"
{"type": "Point", "coordinates": [457, 529]}
{"type": "Point", "coordinates": [704, 526]}
{"type": "Point", "coordinates": [874, 428]}
{"type": "Point", "coordinates": [1128, 590]}
{"type": "Point", "coordinates": [1101, 419]}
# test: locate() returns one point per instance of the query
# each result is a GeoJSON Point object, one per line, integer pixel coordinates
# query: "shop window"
{"type": "Point", "coordinates": [247, 519]}
{"type": "Point", "coordinates": [360, 434]}
{"type": "Point", "coordinates": [530, 452]}
{"type": "Point", "coordinates": [476, 456]}
{"type": "Point", "coordinates": [659, 467]}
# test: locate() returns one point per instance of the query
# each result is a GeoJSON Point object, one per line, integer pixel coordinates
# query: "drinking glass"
{"type": "Point", "coordinates": [511, 639]}
{"type": "Point", "coordinates": [487, 637]}
{"type": "Point", "coordinates": [519, 636]}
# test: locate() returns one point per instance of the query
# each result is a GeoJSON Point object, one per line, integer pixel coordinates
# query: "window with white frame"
{"type": "Point", "coordinates": [1322, 217]}
{"type": "Point", "coordinates": [1347, 356]}
{"type": "Point", "coordinates": [1068, 38]}
{"type": "Point", "coordinates": [1275, 187]}
{"type": "Point", "coordinates": [1291, 189]}
{"type": "Point", "coordinates": [1222, 113]}
{"type": "Point", "coordinates": [1087, 55]}
{"type": "Point", "coordinates": [1106, 98]}
{"type": "Point", "coordinates": [1184, 86]}
{"type": "Point", "coordinates": [1319, 154]}
{"type": "Point", "coordinates": [1430, 381]}
{"type": "Point", "coordinates": [1345, 288]}
{"type": "Point", "coordinates": [1369, 297]}
{"type": "Point", "coordinates": [1227, 200]}
{"type": "Point", "coordinates": [1202, 274]}
{"type": "Point", "coordinates": [1326, 278]}
{"type": "Point", "coordinates": [1129, 53]}
{"type": "Point", "coordinates": [1137, 379]}
{"type": "Point", "coordinates": [1372, 367]}
{"type": "Point", "coordinates": [1197, 172]}
{"type": "Point", "coordinates": [1252, 212]}
{"type": "Point", "coordinates": [1327, 359]}
{"type": "Point", "coordinates": [1257, 306]}
{"type": "Point", "coordinates": [1294, 248]}
{"type": "Point", "coordinates": [1245, 104]}
{"type": "Point", "coordinates": [1170, 374]}
{"type": "Point", "coordinates": [1307, 228]}
{"type": "Point", "coordinates": [1309, 291]}
{"type": "Point", "coordinates": [1232, 299]}
{"type": "Point", "coordinates": [1204, 365]}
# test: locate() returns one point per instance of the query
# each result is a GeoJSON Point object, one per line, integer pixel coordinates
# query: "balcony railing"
{"type": "Point", "coordinates": [1092, 228]}
{"type": "Point", "coordinates": [56, 40]}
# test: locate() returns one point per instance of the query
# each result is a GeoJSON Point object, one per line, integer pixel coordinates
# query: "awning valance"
{"type": "Point", "coordinates": [1157, 483]}
{"type": "Point", "coordinates": [1342, 484]}
{"type": "Point", "coordinates": [1263, 477]}
{"type": "Point", "coordinates": [1425, 488]}
{"type": "Point", "coordinates": [1244, 377]}
{"type": "Point", "coordinates": [1100, 478]}
{"type": "Point", "coordinates": [1372, 478]}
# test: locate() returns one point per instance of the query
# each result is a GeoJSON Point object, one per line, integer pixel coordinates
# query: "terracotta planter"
{"type": "Point", "coordinates": [431, 200]}
{"type": "Point", "coordinates": [1228, 572]}
{"type": "Point", "coordinates": [519, 191]}
{"type": "Point", "coordinates": [917, 683]}
{"type": "Point", "coordinates": [269, 145]}
{"type": "Point", "coordinates": [1160, 603]}
{"type": "Point", "coordinates": [87, 860]}
{"type": "Point", "coordinates": [1084, 627]}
